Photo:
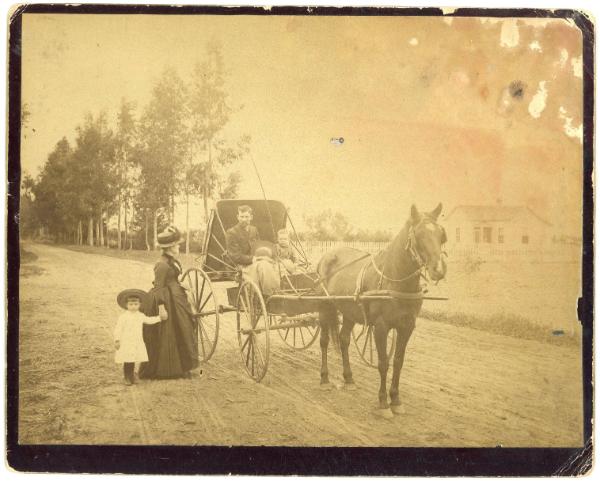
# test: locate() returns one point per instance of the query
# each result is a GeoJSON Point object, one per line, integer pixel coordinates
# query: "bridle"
{"type": "Point", "coordinates": [411, 247]}
{"type": "Point", "coordinates": [411, 243]}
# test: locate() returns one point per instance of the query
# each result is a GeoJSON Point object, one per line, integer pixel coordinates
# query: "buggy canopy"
{"type": "Point", "coordinates": [269, 216]}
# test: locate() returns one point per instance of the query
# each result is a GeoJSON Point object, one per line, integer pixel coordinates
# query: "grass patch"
{"type": "Point", "coordinates": [505, 324]}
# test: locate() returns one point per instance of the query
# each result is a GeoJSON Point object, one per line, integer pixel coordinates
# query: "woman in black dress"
{"type": "Point", "coordinates": [172, 344]}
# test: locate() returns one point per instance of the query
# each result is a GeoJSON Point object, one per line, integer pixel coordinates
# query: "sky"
{"type": "Point", "coordinates": [431, 109]}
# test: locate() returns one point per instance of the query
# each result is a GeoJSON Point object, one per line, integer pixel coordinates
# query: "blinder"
{"type": "Point", "coordinates": [411, 247]}
{"type": "Point", "coordinates": [411, 244]}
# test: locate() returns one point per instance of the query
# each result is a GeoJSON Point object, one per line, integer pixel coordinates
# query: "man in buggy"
{"type": "Point", "coordinates": [255, 262]}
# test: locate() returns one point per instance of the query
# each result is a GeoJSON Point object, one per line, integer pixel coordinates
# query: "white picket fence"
{"type": "Point", "coordinates": [551, 253]}
{"type": "Point", "coordinates": [315, 249]}
{"type": "Point", "coordinates": [554, 253]}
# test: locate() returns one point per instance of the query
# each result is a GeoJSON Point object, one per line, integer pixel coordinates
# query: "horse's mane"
{"type": "Point", "coordinates": [401, 237]}
{"type": "Point", "coordinates": [395, 259]}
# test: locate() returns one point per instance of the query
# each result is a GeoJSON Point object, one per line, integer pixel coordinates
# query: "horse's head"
{"type": "Point", "coordinates": [425, 240]}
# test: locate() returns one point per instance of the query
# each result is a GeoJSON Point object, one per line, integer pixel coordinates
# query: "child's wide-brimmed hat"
{"type": "Point", "coordinates": [128, 294]}
{"type": "Point", "coordinates": [169, 237]}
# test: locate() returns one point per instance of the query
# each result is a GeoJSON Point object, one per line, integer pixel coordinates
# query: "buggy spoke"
{"type": "Point", "coordinates": [366, 342]}
{"type": "Point", "coordinates": [262, 361]}
{"type": "Point", "coordinates": [362, 331]}
{"type": "Point", "coordinates": [249, 349]}
{"type": "Point", "coordinates": [247, 314]}
{"type": "Point", "coordinates": [253, 330]}
{"type": "Point", "coordinates": [253, 348]}
{"type": "Point", "coordinates": [207, 299]}
{"type": "Point", "coordinates": [190, 285]}
{"type": "Point", "coordinates": [201, 290]}
{"type": "Point", "coordinates": [371, 345]}
{"type": "Point", "coordinates": [207, 323]}
{"type": "Point", "coordinates": [205, 335]}
{"type": "Point", "coordinates": [245, 343]}
{"type": "Point", "coordinates": [202, 342]}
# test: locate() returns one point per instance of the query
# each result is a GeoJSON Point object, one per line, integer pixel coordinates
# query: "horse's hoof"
{"type": "Point", "coordinates": [350, 386]}
{"type": "Point", "coordinates": [326, 386]}
{"type": "Point", "coordinates": [398, 408]}
{"type": "Point", "coordinates": [385, 413]}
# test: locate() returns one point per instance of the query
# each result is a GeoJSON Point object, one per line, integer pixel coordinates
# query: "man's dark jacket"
{"type": "Point", "coordinates": [240, 243]}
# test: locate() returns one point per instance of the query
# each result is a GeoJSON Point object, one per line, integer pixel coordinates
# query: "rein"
{"type": "Point", "coordinates": [410, 247]}
{"type": "Point", "coordinates": [412, 250]}
{"type": "Point", "coordinates": [383, 276]}
{"type": "Point", "coordinates": [411, 243]}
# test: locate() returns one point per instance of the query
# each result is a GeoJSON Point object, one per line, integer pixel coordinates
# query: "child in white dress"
{"type": "Point", "coordinates": [128, 333]}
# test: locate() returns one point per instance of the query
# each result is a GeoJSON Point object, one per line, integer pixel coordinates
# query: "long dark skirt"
{"type": "Point", "coordinates": [172, 344]}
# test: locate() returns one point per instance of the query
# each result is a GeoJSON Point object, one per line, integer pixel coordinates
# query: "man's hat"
{"type": "Point", "coordinates": [169, 237]}
{"type": "Point", "coordinates": [128, 294]}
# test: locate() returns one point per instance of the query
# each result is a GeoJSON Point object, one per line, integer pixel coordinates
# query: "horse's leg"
{"type": "Point", "coordinates": [327, 315]}
{"type": "Point", "coordinates": [405, 330]}
{"type": "Point", "coordinates": [344, 343]}
{"type": "Point", "coordinates": [381, 334]}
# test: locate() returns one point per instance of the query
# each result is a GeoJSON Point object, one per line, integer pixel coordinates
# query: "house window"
{"type": "Point", "coordinates": [476, 235]}
{"type": "Point", "coordinates": [525, 239]}
{"type": "Point", "coordinates": [500, 235]}
{"type": "Point", "coordinates": [487, 235]}
{"type": "Point", "coordinates": [458, 234]}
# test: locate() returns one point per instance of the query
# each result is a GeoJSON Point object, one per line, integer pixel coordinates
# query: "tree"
{"type": "Point", "coordinates": [49, 189]}
{"type": "Point", "coordinates": [78, 184]}
{"type": "Point", "coordinates": [208, 171]}
{"type": "Point", "coordinates": [328, 225]}
{"type": "Point", "coordinates": [228, 188]}
{"type": "Point", "coordinates": [28, 221]}
{"type": "Point", "coordinates": [124, 151]}
{"type": "Point", "coordinates": [94, 174]}
{"type": "Point", "coordinates": [163, 144]}
{"type": "Point", "coordinates": [25, 114]}
{"type": "Point", "coordinates": [56, 203]}
{"type": "Point", "coordinates": [365, 235]}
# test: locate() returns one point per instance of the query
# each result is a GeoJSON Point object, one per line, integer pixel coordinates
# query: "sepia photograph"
{"type": "Point", "coordinates": [302, 228]}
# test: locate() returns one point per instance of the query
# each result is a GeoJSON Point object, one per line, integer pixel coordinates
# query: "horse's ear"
{"type": "Point", "coordinates": [435, 213]}
{"type": "Point", "coordinates": [415, 215]}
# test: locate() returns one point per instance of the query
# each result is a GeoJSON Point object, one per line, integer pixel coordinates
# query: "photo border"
{"type": "Point", "coordinates": [294, 460]}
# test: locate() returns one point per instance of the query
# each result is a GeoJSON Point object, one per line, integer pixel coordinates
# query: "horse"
{"type": "Point", "coordinates": [396, 269]}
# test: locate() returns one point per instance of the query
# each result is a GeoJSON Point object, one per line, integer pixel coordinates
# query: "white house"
{"type": "Point", "coordinates": [504, 227]}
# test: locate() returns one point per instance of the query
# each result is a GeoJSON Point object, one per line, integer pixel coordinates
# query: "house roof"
{"type": "Point", "coordinates": [494, 213]}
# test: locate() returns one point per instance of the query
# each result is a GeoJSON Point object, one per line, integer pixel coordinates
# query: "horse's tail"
{"type": "Point", "coordinates": [325, 263]}
{"type": "Point", "coordinates": [328, 317]}
{"type": "Point", "coordinates": [324, 268]}
{"type": "Point", "coordinates": [328, 314]}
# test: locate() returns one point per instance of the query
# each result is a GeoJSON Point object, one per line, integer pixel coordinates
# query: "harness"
{"type": "Point", "coordinates": [411, 243]}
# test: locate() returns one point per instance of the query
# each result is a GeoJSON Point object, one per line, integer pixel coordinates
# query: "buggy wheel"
{"type": "Point", "coordinates": [363, 336]}
{"type": "Point", "coordinates": [205, 310]}
{"type": "Point", "coordinates": [253, 330]}
{"type": "Point", "coordinates": [299, 337]}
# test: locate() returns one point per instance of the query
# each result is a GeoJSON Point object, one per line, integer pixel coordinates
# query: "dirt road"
{"type": "Point", "coordinates": [460, 387]}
